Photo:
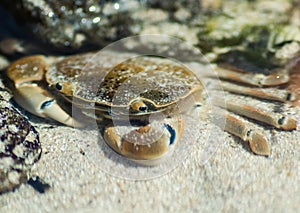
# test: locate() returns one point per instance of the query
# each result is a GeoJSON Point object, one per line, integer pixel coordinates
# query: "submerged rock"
{"type": "Point", "coordinates": [73, 25]}
{"type": "Point", "coordinates": [20, 147]}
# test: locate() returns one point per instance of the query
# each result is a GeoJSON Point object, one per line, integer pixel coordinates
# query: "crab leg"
{"type": "Point", "coordinates": [253, 78]}
{"type": "Point", "coordinates": [257, 142]}
{"type": "Point", "coordinates": [274, 95]}
{"type": "Point", "coordinates": [274, 119]}
{"type": "Point", "coordinates": [30, 95]}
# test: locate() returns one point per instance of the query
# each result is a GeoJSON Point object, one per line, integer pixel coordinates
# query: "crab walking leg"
{"type": "Point", "coordinates": [257, 142]}
{"type": "Point", "coordinates": [274, 95]}
{"type": "Point", "coordinates": [275, 119]}
{"type": "Point", "coordinates": [253, 78]}
{"type": "Point", "coordinates": [24, 72]}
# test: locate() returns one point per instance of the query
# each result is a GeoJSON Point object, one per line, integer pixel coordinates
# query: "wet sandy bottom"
{"type": "Point", "coordinates": [232, 180]}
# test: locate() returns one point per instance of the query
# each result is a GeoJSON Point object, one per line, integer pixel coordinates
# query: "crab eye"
{"type": "Point", "coordinates": [58, 86]}
{"type": "Point", "coordinates": [139, 106]}
{"type": "Point", "coordinates": [143, 108]}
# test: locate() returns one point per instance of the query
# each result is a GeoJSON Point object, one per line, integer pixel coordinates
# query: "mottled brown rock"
{"type": "Point", "coordinates": [20, 147]}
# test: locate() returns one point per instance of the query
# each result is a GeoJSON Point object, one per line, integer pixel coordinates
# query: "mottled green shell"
{"type": "Point", "coordinates": [114, 79]}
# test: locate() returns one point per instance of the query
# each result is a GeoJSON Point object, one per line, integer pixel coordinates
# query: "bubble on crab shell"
{"type": "Point", "coordinates": [197, 127]}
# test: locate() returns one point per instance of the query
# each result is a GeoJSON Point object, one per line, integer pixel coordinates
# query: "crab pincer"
{"type": "Point", "coordinates": [27, 74]}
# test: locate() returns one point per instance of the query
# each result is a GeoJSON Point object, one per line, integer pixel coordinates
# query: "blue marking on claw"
{"type": "Point", "coordinates": [46, 104]}
{"type": "Point", "coordinates": [172, 132]}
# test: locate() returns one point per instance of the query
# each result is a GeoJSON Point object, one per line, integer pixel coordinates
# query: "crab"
{"type": "Point", "coordinates": [37, 79]}
{"type": "Point", "coordinates": [121, 93]}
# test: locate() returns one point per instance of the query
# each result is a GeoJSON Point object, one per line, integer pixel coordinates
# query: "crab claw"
{"type": "Point", "coordinates": [29, 95]}
{"type": "Point", "coordinates": [147, 145]}
{"type": "Point", "coordinates": [41, 103]}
